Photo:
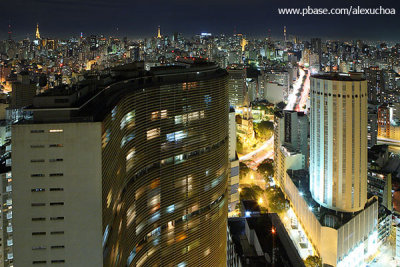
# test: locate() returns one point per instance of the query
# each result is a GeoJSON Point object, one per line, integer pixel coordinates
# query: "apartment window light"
{"type": "Point", "coordinates": [38, 190]}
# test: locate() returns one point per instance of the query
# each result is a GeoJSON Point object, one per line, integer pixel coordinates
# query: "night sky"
{"type": "Point", "coordinates": [139, 18]}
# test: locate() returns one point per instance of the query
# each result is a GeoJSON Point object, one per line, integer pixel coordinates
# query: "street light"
{"type": "Point", "coordinates": [260, 201]}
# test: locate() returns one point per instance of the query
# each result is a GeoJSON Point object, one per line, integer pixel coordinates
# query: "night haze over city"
{"type": "Point", "coordinates": [219, 133]}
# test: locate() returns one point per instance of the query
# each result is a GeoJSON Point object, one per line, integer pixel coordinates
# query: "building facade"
{"type": "Point", "coordinates": [156, 189]}
{"type": "Point", "coordinates": [338, 141]}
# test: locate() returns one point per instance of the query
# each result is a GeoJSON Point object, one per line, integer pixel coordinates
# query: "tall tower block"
{"type": "Point", "coordinates": [338, 141]}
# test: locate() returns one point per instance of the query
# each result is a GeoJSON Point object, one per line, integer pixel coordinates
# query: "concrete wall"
{"type": "Point", "coordinates": [80, 151]}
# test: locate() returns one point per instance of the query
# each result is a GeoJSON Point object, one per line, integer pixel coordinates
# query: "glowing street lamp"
{"type": "Point", "coordinates": [260, 201]}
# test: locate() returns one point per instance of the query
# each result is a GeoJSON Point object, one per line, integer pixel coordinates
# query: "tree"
{"type": "Point", "coordinates": [264, 129]}
{"type": "Point", "coordinates": [313, 261]}
{"type": "Point", "coordinates": [276, 200]}
{"type": "Point", "coordinates": [239, 145]}
{"type": "Point", "coordinates": [243, 170]}
{"type": "Point", "coordinates": [267, 167]}
{"type": "Point", "coordinates": [251, 193]}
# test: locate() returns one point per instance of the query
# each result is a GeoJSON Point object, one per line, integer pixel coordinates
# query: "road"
{"type": "Point", "coordinates": [302, 88]}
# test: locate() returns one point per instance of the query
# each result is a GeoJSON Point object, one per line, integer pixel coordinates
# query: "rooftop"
{"type": "Point", "coordinates": [326, 217]}
{"type": "Point", "coordinates": [335, 76]}
{"type": "Point", "coordinates": [94, 96]}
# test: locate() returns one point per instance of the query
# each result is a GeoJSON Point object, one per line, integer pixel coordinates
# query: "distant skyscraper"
{"type": "Point", "coordinates": [158, 32]}
{"type": "Point", "coordinates": [373, 76]}
{"type": "Point", "coordinates": [37, 31]}
{"type": "Point", "coordinates": [131, 170]}
{"type": "Point", "coordinates": [284, 33]}
{"type": "Point", "coordinates": [338, 145]}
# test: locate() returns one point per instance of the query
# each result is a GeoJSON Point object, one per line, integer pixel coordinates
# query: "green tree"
{"type": "Point", "coordinates": [243, 170]}
{"type": "Point", "coordinates": [276, 200]}
{"type": "Point", "coordinates": [239, 145]}
{"type": "Point", "coordinates": [264, 129]}
{"type": "Point", "coordinates": [267, 167]}
{"type": "Point", "coordinates": [251, 193]}
{"type": "Point", "coordinates": [313, 261]}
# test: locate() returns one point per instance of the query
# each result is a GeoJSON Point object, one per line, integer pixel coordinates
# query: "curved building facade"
{"type": "Point", "coordinates": [128, 168]}
{"type": "Point", "coordinates": [165, 170]}
{"type": "Point", "coordinates": [338, 141]}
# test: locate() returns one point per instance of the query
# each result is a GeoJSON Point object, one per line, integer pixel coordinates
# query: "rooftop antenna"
{"type": "Point", "coordinates": [9, 30]}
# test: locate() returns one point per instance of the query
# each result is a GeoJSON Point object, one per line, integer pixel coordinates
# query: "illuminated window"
{"type": "Point", "coordinates": [130, 154]}
{"type": "Point", "coordinates": [171, 208]}
{"type": "Point", "coordinates": [139, 227]}
{"type": "Point", "coordinates": [176, 136]}
{"type": "Point", "coordinates": [131, 256]}
{"type": "Point", "coordinates": [154, 200]}
{"type": "Point", "coordinates": [130, 159]}
{"type": "Point", "coordinates": [154, 115]}
{"type": "Point", "coordinates": [164, 114]}
{"type": "Point", "coordinates": [113, 113]}
{"type": "Point", "coordinates": [127, 139]}
{"type": "Point", "coordinates": [179, 159]}
{"type": "Point", "coordinates": [38, 190]}
{"type": "Point", "coordinates": [56, 131]}
{"type": "Point", "coordinates": [154, 217]}
{"type": "Point", "coordinates": [193, 116]}
{"type": "Point", "coordinates": [128, 120]}
{"type": "Point", "coordinates": [130, 215]}
{"type": "Point", "coordinates": [105, 138]}
{"type": "Point", "coordinates": [153, 133]}
{"type": "Point", "coordinates": [178, 119]}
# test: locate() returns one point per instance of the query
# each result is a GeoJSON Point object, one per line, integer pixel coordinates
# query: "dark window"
{"type": "Point", "coordinates": [56, 174]}
{"type": "Point", "coordinates": [56, 218]}
{"type": "Point", "coordinates": [56, 203]}
{"type": "Point", "coordinates": [55, 247]}
{"type": "Point", "coordinates": [38, 204]}
{"type": "Point", "coordinates": [39, 233]}
{"type": "Point", "coordinates": [38, 219]}
{"type": "Point", "coordinates": [57, 232]}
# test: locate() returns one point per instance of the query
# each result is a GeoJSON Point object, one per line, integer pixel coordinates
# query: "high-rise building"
{"type": "Point", "coordinates": [384, 121]}
{"type": "Point", "coordinates": [237, 85]}
{"type": "Point", "coordinates": [290, 143]}
{"type": "Point", "coordinates": [372, 125]}
{"type": "Point", "coordinates": [316, 47]}
{"type": "Point", "coordinates": [338, 141]}
{"type": "Point", "coordinates": [233, 187]}
{"type": "Point", "coordinates": [373, 76]}
{"type": "Point", "coordinates": [126, 170]}
{"type": "Point", "coordinates": [330, 201]}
